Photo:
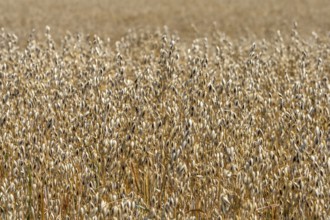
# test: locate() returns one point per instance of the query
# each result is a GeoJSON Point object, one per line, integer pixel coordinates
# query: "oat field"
{"type": "Point", "coordinates": [147, 110]}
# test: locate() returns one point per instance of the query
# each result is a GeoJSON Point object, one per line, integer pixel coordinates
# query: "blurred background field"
{"type": "Point", "coordinates": [190, 19]}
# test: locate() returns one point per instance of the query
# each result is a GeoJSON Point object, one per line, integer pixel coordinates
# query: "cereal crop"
{"type": "Point", "coordinates": [152, 126]}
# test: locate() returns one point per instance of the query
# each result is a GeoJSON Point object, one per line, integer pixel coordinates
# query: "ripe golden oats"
{"type": "Point", "coordinates": [155, 126]}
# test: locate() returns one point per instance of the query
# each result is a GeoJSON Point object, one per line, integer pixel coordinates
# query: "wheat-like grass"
{"type": "Point", "coordinates": [155, 128]}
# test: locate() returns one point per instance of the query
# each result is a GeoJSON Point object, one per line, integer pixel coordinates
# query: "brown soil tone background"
{"type": "Point", "coordinates": [190, 19]}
